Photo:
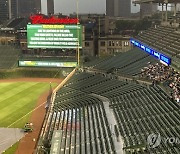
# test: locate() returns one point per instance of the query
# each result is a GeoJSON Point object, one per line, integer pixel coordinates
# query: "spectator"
{"type": "Point", "coordinates": [161, 73]}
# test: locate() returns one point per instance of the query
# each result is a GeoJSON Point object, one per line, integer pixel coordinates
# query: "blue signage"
{"type": "Point", "coordinates": [156, 54]}
{"type": "Point", "coordinates": [148, 50]}
{"type": "Point", "coordinates": [151, 51]}
{"type": "Point", "coordinates": [142, 47]}
{"type": "Point", "coordinates": [165, 59]}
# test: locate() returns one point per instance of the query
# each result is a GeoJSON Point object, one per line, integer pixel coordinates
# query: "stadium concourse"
{"type": "Point", "coordinates": [112, 105]}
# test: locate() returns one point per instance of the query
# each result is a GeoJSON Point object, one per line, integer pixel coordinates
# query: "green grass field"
{"type": "Point", "coordinates": [17, 99]}
{"type": "Point", "coordinates": [12, 149]}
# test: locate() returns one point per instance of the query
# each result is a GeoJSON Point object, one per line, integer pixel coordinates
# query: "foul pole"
{"type": "Point", "coordinates": [77, 16]}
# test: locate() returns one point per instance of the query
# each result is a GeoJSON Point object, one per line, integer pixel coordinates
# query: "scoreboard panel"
{"type": "Point", "coordinates": [54, 36]}
{"type": "Point", "coordinates": [46, 64]}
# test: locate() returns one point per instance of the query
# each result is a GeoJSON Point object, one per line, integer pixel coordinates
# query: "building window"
{"type": "Point", "coordinates": [103, 43]}
{"type": "Point", "coordinates": [87, 44]}
{"type": "Point", "coordinates": [126, 43]}
{"type": "Point", "coordinates": [102, 51]}
{"type": "Point", "coordinates": [117, 43]}
{"type": "Point", "coordinates": [109, 43]}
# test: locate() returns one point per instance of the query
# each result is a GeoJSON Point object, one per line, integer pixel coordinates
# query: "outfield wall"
{"type": "Point", "coordinates": [35, 73]}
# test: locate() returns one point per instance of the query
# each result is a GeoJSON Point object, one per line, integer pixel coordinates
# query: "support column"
{"type": "Point", "coordinates": [17, 7]}
{"type": "Point", "coordinates": [175, 9]}
{"type": "Point", "coordinates": [10, 9]}
{"type": "Point", "coordinates": [141, 15]}
{"type": "Point", "coordinates": [166, 13]}
{"type": "Point", "coordinates": [162, 11]}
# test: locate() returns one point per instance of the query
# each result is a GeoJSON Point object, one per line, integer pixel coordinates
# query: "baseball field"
{"type": "Point", "coordinates": [17, 99]}
{"type": "Point", "coordinates": [18, 102]}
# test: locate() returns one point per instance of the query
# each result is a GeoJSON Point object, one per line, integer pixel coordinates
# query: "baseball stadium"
{"type": "Point", "coordinates": [54, 101]}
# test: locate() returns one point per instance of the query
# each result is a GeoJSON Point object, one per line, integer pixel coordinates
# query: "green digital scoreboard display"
{"type": "Point", "coordinates": [46, 64]}
{"type": "Point", "coordinates": [54, 36]}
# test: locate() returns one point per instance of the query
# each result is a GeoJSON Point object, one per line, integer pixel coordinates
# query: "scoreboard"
{"type": "Point", "coordinates": [46, 64]}
{"type": "Point", "coordinates": [54, 36]}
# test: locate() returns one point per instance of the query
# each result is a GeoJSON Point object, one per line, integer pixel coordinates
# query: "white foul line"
{"type": "Point", "coordinates": [26, 114]}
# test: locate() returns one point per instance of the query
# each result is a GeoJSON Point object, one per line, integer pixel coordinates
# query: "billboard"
{"type": "Point", "coordinates": [54, 36]}
{"type": "Point", "coordinates": [163, 58]}
{"type": "Point", "coordinates": [46, 64]}
{"type": "Point", "coordinates": [42, 19]}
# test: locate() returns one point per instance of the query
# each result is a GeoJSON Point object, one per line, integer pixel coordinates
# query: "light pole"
{"type": "Point", "coordinates": [77, 16]}
{"type": "Point", "coordinates": [10, 9]}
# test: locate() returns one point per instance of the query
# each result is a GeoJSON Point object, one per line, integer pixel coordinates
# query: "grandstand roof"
{"type": "Point", "coordinates": [155, 1]}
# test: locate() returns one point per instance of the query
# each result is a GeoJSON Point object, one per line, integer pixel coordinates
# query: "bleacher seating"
{"type": "Point", "coordinates": [15, 22]}
{"type": "Point", "coordinates": [96, 61]}
{"type": "Point", "coordinates": [176, 17]}
{"type": "Point", "coordinates": [128, 63]}
{"type": "Point", "coordinates": [164, 39]}
{"type": "Point", "coordinates": [139, 111]}
{"type": "Point", "coordinates": [83, 122]}
{"type": "Point", "coordinates": [9, 57]}
{"type": "Point", "coordinates": [143, 112]}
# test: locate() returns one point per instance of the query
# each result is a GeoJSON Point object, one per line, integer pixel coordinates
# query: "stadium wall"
{"type": "Point", "coordinates": [35, 73]}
